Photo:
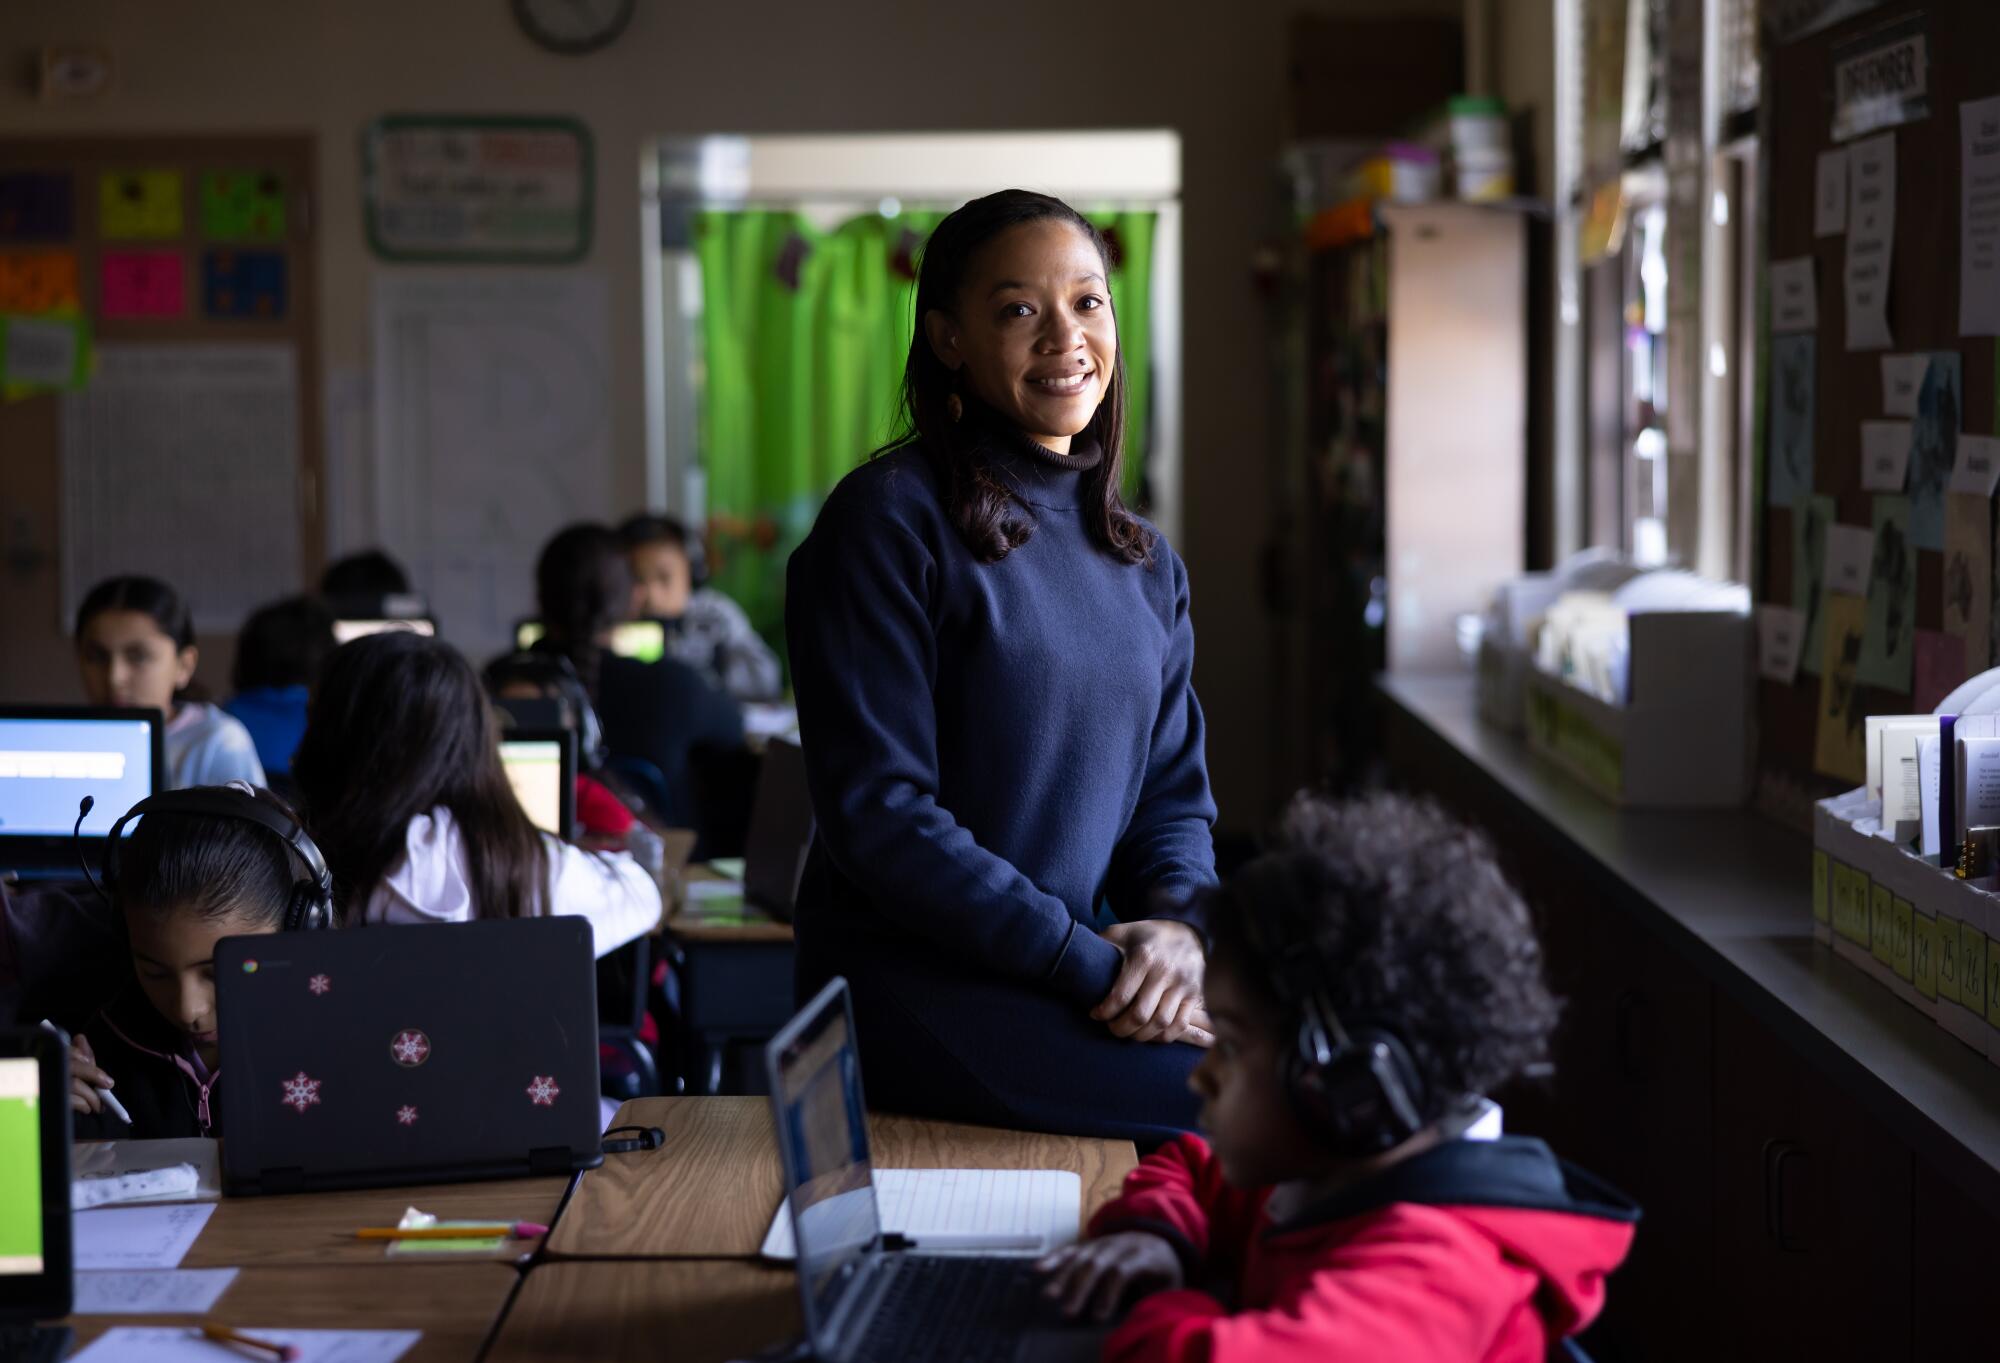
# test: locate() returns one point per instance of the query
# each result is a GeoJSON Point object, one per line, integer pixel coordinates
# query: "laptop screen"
{"type": "Point", "coordinates": [641, 640]}
{"type": "Point", "coordinates": [20, 1166]}
{"type": "Point", "coordinates": [48, 763]}
{"type": "Point", "coordinates": [535, 770]}
{"type": "Point", "coordinates": [823, 1137]}
{"type": "Point", "coordinates": [347, 631]}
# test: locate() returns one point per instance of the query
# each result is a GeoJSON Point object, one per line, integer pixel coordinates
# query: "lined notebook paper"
{"type": "Point", "coordinates": [983, 1211]}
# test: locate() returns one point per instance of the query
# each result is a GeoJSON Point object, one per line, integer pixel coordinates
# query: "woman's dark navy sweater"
{"type": "Point", "coordinates": [993, 749]}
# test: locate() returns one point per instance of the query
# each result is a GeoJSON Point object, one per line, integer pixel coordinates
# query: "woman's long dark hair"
{"type": "Point", "coordinates": [987, 513]}
{"type": "Point", "coordinates": [582, 590]}
{"type": "Point", "coordinates": [207, 865]}
{"type": "Point", "coordinates": [148, 596]}
{"type": "Point", "coordinates": [398, 726]}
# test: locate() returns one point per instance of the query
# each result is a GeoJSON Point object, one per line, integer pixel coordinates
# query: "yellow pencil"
{"type": "Point", "coordinates": [515, 1230]}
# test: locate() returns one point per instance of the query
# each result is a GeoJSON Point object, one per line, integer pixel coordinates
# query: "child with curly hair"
{"type": "Point", "coordinates": [1369, 979]}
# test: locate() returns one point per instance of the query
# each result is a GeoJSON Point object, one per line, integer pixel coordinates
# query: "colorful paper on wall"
{"type": "Point", "coordinates": [138, 204]}
{"type": "Point", "coordinates": [1810, 518]}
{"type": "Point", "coordinates": [35, 206]}
{"type": "Point", "coordinates": [1885, 455]}
{"type": "Point", "coordinates": [1968, 572]}
{"type": "Point", "coordinates": [142, 284]}
{"type": "Point", "coordinates": [1838, 750]}
{"type": "Point", "coordinates": [41, 353]}
{"type": "Point", "coordinates": [1934, 447]}
{"type": "Point", "coordinates": [243, 284]}
{"type": "Point", "coordinates": [242, 205]}
{"type": "Point", "coordinates": [1871, 241]}
{"type": "Point", "coordinates": [1793, 382]}
{"type": "Point", "coordinates": [1891, 625]}
{"type": "Point", "coordinates": [1794, 299]}
{"type": "Point", "coordinates": [1781, 633]}
{"type": "Point", "coordinates": [1830, 193]}
{"type": "Point", "coordinates": [1979, 217]}
{"type": "Point", "coordinates": [38, 281]}
{"type": "Point", "coordinates": [1940, 667]}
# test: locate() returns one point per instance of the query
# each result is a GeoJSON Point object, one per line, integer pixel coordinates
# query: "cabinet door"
{"type": "Point", "coordinates": [1813, 1215]}
{"type": "Point", "coordinates": [1953, 1253]}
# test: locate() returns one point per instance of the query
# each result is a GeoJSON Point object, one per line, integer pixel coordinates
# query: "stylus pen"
{"type": "Point", "coordinates": [110, 1101]}
{"type": "Point", "coordinates": [979, 1240]}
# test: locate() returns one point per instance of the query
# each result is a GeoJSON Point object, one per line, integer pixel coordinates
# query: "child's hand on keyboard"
{"type": "Point", "coordinates": [1097, 1275]}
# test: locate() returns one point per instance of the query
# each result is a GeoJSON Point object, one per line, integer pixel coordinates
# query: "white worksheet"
{"type": "Point", "coordinates": [991, 1211]}
{"type": "Point", "coordinates": [138, 1237]}
{"type": "Point", "coordinates": [180, 1344]}
{"type": "Point", "coordinates": [131, 1292]}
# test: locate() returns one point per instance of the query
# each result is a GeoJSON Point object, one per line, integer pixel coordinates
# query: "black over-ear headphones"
{"type": "Point", "coordinates": [1359, 1093]}
{"type": "Point", "coordinates": [311, 904]}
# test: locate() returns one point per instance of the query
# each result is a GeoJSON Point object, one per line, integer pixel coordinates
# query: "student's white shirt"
{"type": "Point", "coordinates": [208, 746]}
{"type": "Point", "coordinates": [430, 883]}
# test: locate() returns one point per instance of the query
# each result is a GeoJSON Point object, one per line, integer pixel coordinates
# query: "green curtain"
{"type": "Point", "coordinates": [804, 337]}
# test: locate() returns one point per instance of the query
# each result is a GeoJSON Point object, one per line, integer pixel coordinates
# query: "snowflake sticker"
{"type": "Point", "coordinates": [319, 984]}
{"type": "Point", "coordinates": [410, 1048]}
{"type": "Point", "coordinates": [301, 1092]}
{"type": "Point", "coordinates": [406, 1115]}
{"type": "Point", "coordinates": [542, 1093]}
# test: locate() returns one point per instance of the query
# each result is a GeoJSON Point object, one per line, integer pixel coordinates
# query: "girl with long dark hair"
{"type": "Point", "coordinates": [403, 789]}
{"type": "Point", "coordinates": [992, 660]}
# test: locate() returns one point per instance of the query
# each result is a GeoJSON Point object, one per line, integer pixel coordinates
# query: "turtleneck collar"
{"type": "Point", "coordinates": [1042, 477]}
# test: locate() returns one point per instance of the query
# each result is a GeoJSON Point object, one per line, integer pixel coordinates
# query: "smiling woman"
{"type": "Point", "coordinates": [992, 660]}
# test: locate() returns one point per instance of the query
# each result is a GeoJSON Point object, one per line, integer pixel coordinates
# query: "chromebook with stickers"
{"type": "Point", "coordinates": [383, 1055]}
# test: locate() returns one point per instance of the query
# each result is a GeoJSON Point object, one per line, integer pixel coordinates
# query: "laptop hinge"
{"type": "Point", "coordinates": [551, 1159]}
{"type": "Point", "coordinates": [289, 1179]}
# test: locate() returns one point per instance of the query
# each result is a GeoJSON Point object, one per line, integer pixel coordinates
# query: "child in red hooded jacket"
{"type": "Point", "coordinates": [1367, 979]}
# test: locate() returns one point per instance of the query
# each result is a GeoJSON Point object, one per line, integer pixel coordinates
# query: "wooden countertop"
{"type": "Point", "coordinates": [318, 1228]}
{"type": "Point", "coordinates": [642, 1310]}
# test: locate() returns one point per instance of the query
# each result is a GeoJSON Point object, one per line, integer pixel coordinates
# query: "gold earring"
{"type": "Point", "coordinates": [954, 408]}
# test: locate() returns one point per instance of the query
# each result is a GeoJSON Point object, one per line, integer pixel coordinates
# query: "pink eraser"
{"type": "Point", "coordinates": [528, 1230]}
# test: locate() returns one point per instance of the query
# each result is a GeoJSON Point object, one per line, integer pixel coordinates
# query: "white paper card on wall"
{"type": "Point", "coordinates": [1979, 217]}
{"type": "Point", "coordinates": [1902, 381]}
{"type": "Point", "coordinates": [1848, 549]}
{"type": "Point", "coordinates": [1871, 240]}
{"type": "Point", "coordinates": [1781, 633]}
{"type": "Point", "coordinates": [1885, 455]}
{"type": "Point", "coordinates": [40, 352]}
{"type": "Point", "coordinates": [1977, 469]}
{"type": "Point", "coordinates": [1794, 300]}
{"type": "Point", "coordinates": [1830, 194]}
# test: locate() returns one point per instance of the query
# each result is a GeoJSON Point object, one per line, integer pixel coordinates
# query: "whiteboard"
{"type": "Point", "coordinates": [182, 462]}
{"type": "Point", "coordinates": [492, 432]}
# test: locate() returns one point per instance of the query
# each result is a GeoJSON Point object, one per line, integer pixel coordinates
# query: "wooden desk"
{"type": "Point", "coordinates": [736, 983]}
{"type": "Point", "coordinates": [712, 1189]}
{"type": "Point", "coordinates": [318, 1228]}
{"type": "Point", "coordinates": [689, 1310]}
{"type": "Point", "coordinates": [455, 1305]}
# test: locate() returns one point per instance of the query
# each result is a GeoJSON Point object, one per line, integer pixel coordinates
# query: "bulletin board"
{"type": "Point", "coordinates": [189, 445]}
{"type": "Point", "coordinates": [1810, 725]}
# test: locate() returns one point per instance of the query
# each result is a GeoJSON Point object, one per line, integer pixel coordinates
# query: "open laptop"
{"type": "Point", "coordinates": [867, 1297]}
{"type": "Point", "coordinates": [51, 756]}
{"type": "Point", "coordinates": [36, 1265]}
{"type": "Point", "coordinates": [779, 837]}
{"type": "Point", "coordinates": [347, 630]}
{"type": "Point", "coordinates": [385, 1055]}
{"type": "Point", "coordinates": [541, 766]}
{"type": "Point", "coordinates": [642, 640]}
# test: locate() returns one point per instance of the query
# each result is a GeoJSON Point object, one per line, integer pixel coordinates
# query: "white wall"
{"type": "Point", "coordinates": [1214, 71]}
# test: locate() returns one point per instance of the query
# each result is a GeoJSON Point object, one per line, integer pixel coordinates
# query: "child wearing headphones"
{"type": "Point", "coordinates": [200, 865]}
{"type": "Point", "coordinates": [707, 630]}
{"type": "Point", "coordinates": [1369, 979]}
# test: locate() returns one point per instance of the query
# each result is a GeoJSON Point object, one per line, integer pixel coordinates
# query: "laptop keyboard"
{"type": "Point", "coordinates": [32, 1344]}
{"type": "Point", "coordinates": [957, 1310]}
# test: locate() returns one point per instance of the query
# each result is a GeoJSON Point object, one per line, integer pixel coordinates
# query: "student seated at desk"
{"type": "Point", "coordinates": [658, 713]}
{"type": "Point", "coordinates": [184, 881]}
{"type": "Point", "coordinates": [135, 646]}
{"type": "Point", "coordinates": [705, 628]}
{"type": "Point", "coordinates": [401, 779]}
{"type": "Point", "coordinates": [278, 653]}
{"type": "Point", "coordinates": [1369, 978]}
{"type": "Point", "coordinates": [367, 576]}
